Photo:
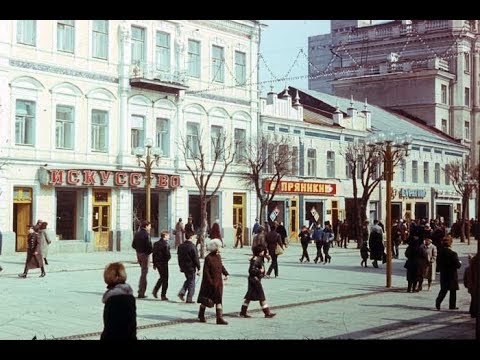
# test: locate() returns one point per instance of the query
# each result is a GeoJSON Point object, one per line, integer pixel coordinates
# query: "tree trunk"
{"type": "Point", "coordinates": [203, 226]}
{"type": "Point", "coordinates": [464, 212]}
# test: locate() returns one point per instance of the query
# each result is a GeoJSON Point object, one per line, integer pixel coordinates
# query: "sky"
{"type": "Point", "coordinates": [280, 44]}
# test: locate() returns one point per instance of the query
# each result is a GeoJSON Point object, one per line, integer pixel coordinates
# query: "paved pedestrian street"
{"type": "Point", "coordinates": [339, 300]}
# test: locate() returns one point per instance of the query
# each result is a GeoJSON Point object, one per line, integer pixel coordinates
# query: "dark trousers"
{"type": "Point", "coordinates": [319, 245]}
{"type": "Point", "coordinates": [188, 286]}
{"type": "Point", "coordinates": [273, 265]}
{"type": "Point", "coordinates": [326, 248]}
{"type": "Point", "coordinates": [453, 297]}
{"type": "Point", "coordinates": [142, 283]}
{"type": "Point", "coordinates": [305, 252]}
{"type": "Point", "coordinates": [239, 240]}
{"type": "Point", "coordinates": [163, 279]}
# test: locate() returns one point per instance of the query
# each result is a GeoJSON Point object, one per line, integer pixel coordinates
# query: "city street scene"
{"type": "Point", "coordinates": [239, 179]}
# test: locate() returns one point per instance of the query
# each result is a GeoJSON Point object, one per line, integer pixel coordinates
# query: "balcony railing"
{"type": "Point", "coordinates": [151, 72]}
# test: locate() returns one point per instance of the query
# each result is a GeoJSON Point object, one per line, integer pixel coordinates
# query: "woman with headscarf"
{"type": "Point", "coordinates": [211, 288]}
{"type": "Point", "coordinates": [255, 289]}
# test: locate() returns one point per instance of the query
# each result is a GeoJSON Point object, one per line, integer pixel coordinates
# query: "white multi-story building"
{"type": "Point", "coordinates": [77, 97]}
{"type": "Point", "coordinates": [319, 126]}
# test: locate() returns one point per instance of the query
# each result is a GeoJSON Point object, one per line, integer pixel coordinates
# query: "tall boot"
{"type": "Point", "coordinates": [220, 320]}
{"type": "Point", "coordinates": [45, 260]}
{"type": "Point", "coordinates": [268, 313]}
{"type": "Point", "coordinates": [201, 314]}
{"type": "Point", "coordinates": [43, 272]}
{"type": "Point", "coordinates": [24, 274]}
{"type": "Point", "coordinates": [243, 312]}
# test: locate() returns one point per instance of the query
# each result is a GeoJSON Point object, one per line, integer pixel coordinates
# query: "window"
{"type": "Point", "coordinates": [445, 126]}
{"type": "Point", "coordinates": [466, 56]}
{"type": "Point", "coordinates": [294, 160]}
{"type": "Point", "coordinates": [217, 64]}
{"type": "Point", "coordinates": [192, 140]}
{"type": "Point", "coordinates": [161, 136]}
{"type": "Point", "coordinates": [311, 162]}
{"type": "Point", "coordinates": [137, 132]}
{"type": "Point", "coordinates": [64, 127]}
{"type": "Point", "coordinates": [330, 164]}
{"type": "Point", "coordinates": [240, 144]}
{"type": "Point", "coordinates": [138, 45]}
{"type": "Point", "coordinates": [100, 39]}
{"type": "Point", "coordinates": [66, 35]}
{"type": "Point", "coordinates": [466, 132]}
{"type": "Point", "coordinates": [270, 158]}
{"type": "Point", "coordinates": [467, 96]}
{"type": "Point", "coordinates": [24, 122]}
{"type": "Point", "coordinates": [240, 68]}
{"type": "Point", "coordinates": [426, 173]}
{"type": "Point", "coordinates": [401, 173]}
{"type": "Point", "coordinates": [162, 51]}
{"type": "Point", "coordinates": [99, 130]}
{"type": "Point", "coordinates": [193, 58]}
{"type": "Point", "coordinates": [444, 94]}
{"type": "Point", "coordinates": [215, 136]}
{"type": "Point", "coordinates": [27, 32]}
{"type": "Point", "coordinates": [437, 173]}
{"type": "Point", "coordinates": [348, 170]}
{"type": "Point", "coordinates": [447, 178]}
{"type": "Point", "coordinates": [415, 171]}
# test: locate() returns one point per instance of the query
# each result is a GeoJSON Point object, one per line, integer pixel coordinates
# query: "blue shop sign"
{"type": "Point", "coordinates": [413, 193]}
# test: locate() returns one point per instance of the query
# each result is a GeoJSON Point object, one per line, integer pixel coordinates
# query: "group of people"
{"type": "Point", "coordinates": [37, 248]}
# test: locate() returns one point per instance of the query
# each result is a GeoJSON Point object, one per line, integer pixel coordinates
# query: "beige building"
{"type": "Point", "coordinates": [78, 97]}
{"type": "Point", "coordinates": [426, 68]}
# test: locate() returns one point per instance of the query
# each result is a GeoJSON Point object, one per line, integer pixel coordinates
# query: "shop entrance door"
{"type": "Point", "coordinates": [22, 216]}
{"type": "Point", "coordinates": [101, 219]}
{"type": "Point", "coordinates": [293, 220]}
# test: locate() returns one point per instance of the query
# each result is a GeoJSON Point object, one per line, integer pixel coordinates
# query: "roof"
{"type": "Point", "coordinates": [385, 120]}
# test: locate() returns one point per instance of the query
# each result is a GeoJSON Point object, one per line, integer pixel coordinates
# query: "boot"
{"type": "Point", "coordinates": [43, 272]}
{"type": "Point", "coordinates": [201, 314]}
{"type": "Point", "coordinates": [243, 312]}
{"type": "Point", "coordinates": [220, 321]}
{"type": "Point", "coordinates": [45, 260]}
{"type": "Point", "coordinates": [268, 313]}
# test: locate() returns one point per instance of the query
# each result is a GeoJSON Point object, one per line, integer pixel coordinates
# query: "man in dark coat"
{"type": "Point", "coordinates": [161, 256]}
{"type": "Point", "coordinates": [143, 246]}
{"type": "Point", "coordinates": [448, 264]}
{"type": "Point", "coordinates": [273, 239]}
{"type": "Point", "coordinates": [375, 243]}
{"type": "Point", "coordinates": [188, 262]}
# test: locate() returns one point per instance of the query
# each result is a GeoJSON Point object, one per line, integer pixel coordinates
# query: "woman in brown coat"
{"type": "Point", "coordinates": [212, 283]}
{"type": "Point", "coordinates": [34, 253]}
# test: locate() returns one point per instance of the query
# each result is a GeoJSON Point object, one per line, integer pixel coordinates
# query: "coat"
{"type": "Point", "coordinates": [33, 246]}
{"type": "Point", "coordinates": [255, 274]}
{"type": "Point", "coordinates": [448, 264]}
{"type": "Point", "coordinates": [212, 282]}
{"type": "Point", "coordinates": [141, 242]}
{"type": "Point", "coordinates": [44, 242]}
{"type": "Point", "coordinates": [119, 314]}
{"type": "Point", "coordinates": [430, 269]}
{"type": "Point", "coordinates": [187, 255]}
{"type": "Point", "coordinates": [179, 233]}
{"type": "Point", "coordinates": [375, 243]}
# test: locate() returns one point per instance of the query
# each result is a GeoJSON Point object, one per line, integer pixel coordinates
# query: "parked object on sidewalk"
{"type": "Point", "coordinates": [120, 312]}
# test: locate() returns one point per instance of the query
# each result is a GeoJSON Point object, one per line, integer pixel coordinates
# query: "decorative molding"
{"type": "Point", "coordinates": [222, 98]}
{"type": "Point", "coordinates": [62, 71]}
{"type": "Point", "coordinates": [229, 26]}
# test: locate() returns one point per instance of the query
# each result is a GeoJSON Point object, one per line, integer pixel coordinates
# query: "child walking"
{"type": "Point", "coordinates": [364, 250]}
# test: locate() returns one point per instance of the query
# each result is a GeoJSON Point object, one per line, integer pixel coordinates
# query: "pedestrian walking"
{"type": "Point", "coordinates": [255, 292]}
{"type": "Point", "coordinates": [215, 232]}
{"type": "Point", "coordinates": [364, 250]}
{"type": "Point", "coordinates": [34, 253]}
{"type": "Point", "coordinates": [212, 284]}
{"type": "Point", "coordinates": [119, 312]}
{"type": "Point", "coordinates": [179, 233]}
{"type": "Point", "coordinates": [143, 246]}
{"type": "Point", "coordinates": [328, 238]}
{"type": "Point", "coordinates": [318, 238]}
{"type": "Point", "coordinates": [304, 236]}
{"type": "Point", "coordinates": [255, 227]}
{"type": "Point", "coordinates": [161, 256]}
{"type": "Point", "coordinates": [430, 268]}
{"type": "Point", "coordinates": [273, 239]}
{"type": "Point", "coordinates": [188, 262]}
{"type": "Point", "coordinates": [470, 280]}
{"type": "Point", "coordinates": [239, 235]}
{"type": "Point", "coordinates": [44, 239]}
{"type": "Point", "coordinates": [375, 243]}
{"type": "Point", "coordinates": [448, 264]}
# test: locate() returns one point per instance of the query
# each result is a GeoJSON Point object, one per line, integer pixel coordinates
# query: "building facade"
{"type": "Point", "coordinates": [78, 97]}
{"type": "Point", "coordinates": [427, 68]}
{"type": "Point", "coordinates": [319, 127]}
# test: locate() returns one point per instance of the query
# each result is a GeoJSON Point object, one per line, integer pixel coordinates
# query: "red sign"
{"type": "Point", "coordinates": [301, 187]}
{"type": "Point", "coordinates": [87, 177]}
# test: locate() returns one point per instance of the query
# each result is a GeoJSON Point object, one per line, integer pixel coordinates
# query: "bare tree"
{"type": "Point", "coordinates": [363, 163]}
{"type": "Point", "coordinates": [267, 158]}
{"type": "Point", "coordinates": [464, 180]}
{"type": "Point", "coordinates": [203, 167]}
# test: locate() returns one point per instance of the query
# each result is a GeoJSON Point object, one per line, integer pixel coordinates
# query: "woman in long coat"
{"type": "Point", "coordinates": [44, 239]}
{"type": "Point", "coordinates": [34, 253]}
{"type": "Point", "coordinates": [430, 269]}
{"type": "Point", "coordinates": [212, 283]}
{"type": "Point", "coordinates": [179, 233]}
{"type": "Point", "coordinates": [255, 289]}
{"type": "Point", "coordinates": [448, 264]}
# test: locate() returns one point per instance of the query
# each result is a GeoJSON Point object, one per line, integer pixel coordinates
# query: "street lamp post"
{"type": "Point", "coordinates": [147, 163]}
{"type": "Point", "coordinates": [391, 148]}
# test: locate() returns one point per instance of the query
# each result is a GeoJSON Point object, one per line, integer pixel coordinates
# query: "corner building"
{"type": "Point", "coordinates": [77, 97]}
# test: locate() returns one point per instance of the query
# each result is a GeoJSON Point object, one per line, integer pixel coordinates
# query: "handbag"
{"type": "Point", "coordinates": [278, 250]}
{"type": "Point", "coordinates": [205, 301]}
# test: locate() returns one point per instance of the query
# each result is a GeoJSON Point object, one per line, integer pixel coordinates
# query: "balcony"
{"type": "Point", "coordinates": [147, 76]}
